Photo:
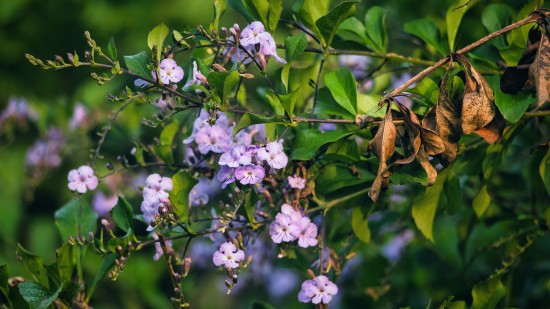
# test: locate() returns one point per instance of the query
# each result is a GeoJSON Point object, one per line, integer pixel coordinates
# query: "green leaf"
{"type": "Point", "coordinates": [425, 207]}
{"type": "Point", "coordinates": [337, 176]}
{"type": "Point", "coordinates": [512, 106]}
{"type": "Point", "coordinates": [66, 261]}
{"type": "Point", "coordinates": [488, 293]}
{"type": "Point", "coordinates": [219, 8]}
{"type": "Point", "coordinates": [288, 101]}
{"type": "Point", "coordinates": [223, 82]}
{"type": "Point", "coordinates": [426, 88]}
{"type": "Point", "coordinates": [267, 11]}
{"type": "Point", "coordinates": [352, 29]}
{"type": "Point", "coordinates": [260, 305]}
{"type": "Point", "coordinates": [360, 225]}
{"type": "Point", "coordinates": [446, 239]}
{"type": "Point", "coordinates": [111, 49]}
{"type": "Point", "coordinates": [156, 38]}
{"type": "Point", "coordinates": [367, 104]}
{"type": "Point", "coordinates": [345, 150]}
{"type": "Point", "coordinates": [343, 87]}
{"type": "Point", "coordinates": [295, 46]}
{"type": "Point", "coordinates": [4, 277]}
{"type": "Point", "coordinates": [375, 29]}
{"type": "Point", "coordinates": [179, 196]}
{"type": "Point", "coordinates": [307, 142]}
{"type": "Point", "coordinates": [275, 102]}
{"type": "Point", "coordinates": [123, 214]}
{"type": "Point", "coordinates": [328, 24]}
{"type": "Point", "coordinates": [250, 203]}
{"type": "Point", "coordinates": [426, 30]}
{"type": "Point", "coordinates": [495, 17]}
{"type": "Point", "coordinates": [242, 8]}
{"type": "Point", "coordinates": [76, 218]}
{"type": "Point", "coordinates": [249, 119]}
{"type": "Point", "coordinates": [106, 265]}
{"type": "Point", "coordinates": [137, 64]}
{"type": "Point", "coordinates": [455, 12]}
{"type": "Point", "coordinates": [544, 171]}
{"type": "Point", "coordinates": [481, 201]}
{"type": "Point", "coordinates": [33, 264]}
{"type": "Point", "coordinates": [36, 295]}
{"type": "Point", "coordinates": [312, 10]}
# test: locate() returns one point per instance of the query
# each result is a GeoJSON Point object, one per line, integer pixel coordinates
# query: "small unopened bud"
{"type": "Point", "coordinates": [105, 223]}
{"type": "Point", "coordinates": [88, 56]}
{"type": "Point", "coordinates": [109, 166]}
{"type": "Point", "coordinates": [234, 277]}
{"type": "Point", "coordinates": [228, 284]}
{"type": "Point", "coordinates": [224, 31]}
{"type": "Point", "coordinates": [91, 235]}
{"type": "Point", "coordinates": [70, 57]}
{"type": "Point", "coordinates": [186, 266]}
{"type": "Point", "coordinates": [59, 59]}
{"type": "Point", "coordinates": [119, 249]}
{"type": "Point", "coordinates": [248, 260]}
{"type": "Point", "coordinates": [310, 273]}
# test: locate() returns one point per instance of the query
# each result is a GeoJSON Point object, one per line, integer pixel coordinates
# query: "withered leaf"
{"type": "Point", "coordinates": [539, 73]}
{"type": "Point", "coordinates": [383, 146]}
{"type": "Point", "coordinates": [514, 78]}
{"type": "Point", "coordinates": [444, 119]}
{"type": "Point", "coordinates": [423, 159]}
{"type": "Point", "coordinates": [478, 108]}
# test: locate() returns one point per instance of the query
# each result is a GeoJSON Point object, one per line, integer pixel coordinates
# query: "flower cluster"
{"type": "Point", "coordinates": [318, 290]}
{"type": "Point", "coordinates": [296, 182]}
{"type": "Point", "coordinates": [228, 256]}
{"type": "Point", "coordinates": [290, 225]}
{"type": "Point", "coordinates": [18, 110]}
{"type": "Point", "coordinates": [211, 137]}
{"type": "Point", "coordinates": [46, 153]}
{"type": "Point", "coordinates": [256, 42]}
{"type": "Point", "coordinates": [82, 179]}
{"type": "Point", "coordinates": [169, 71]}
{"type": "Point", "coordinates": [154, 194]}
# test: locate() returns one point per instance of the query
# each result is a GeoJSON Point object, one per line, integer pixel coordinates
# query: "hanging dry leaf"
{"type": "Point", "coordinates": [444, 119]}
{"type": "Point", "coordinates": [383, 146]}
{"type": "Point", "coordinates": [423, 159]}
{"type": "Point", "coordinates": [515, 78]}
{"type": "Point", "coordinates": [478, 109]}
{"type": "Point", "coordinates": [539, 73]}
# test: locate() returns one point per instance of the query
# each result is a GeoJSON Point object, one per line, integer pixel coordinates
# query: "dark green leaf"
{"type": "Point", "coordinates": [307, 142]}
{"type": "Point", "coordinates": [249, 119]}
{"type": "Point", "coordinates": [275, 102]}
{"type": "Point", "coordinates": [4, 277]}
{"type": "Point", "coordinates": [76, 218]}
{"type": "Point", "coordinates": [312, 10]}
{"type": "Point", "coordinates": [455, 12]}
{"type": "Point", "coordinates": [156, 38]}
{"type": "Point", "coordinates": [66, 261]}
{"type": "Point", "coordinates": [260, 305]}
{"type": "Point", "coordinates": [447, 240]}
{"type": "Point", "coordinates": [344, 150]}
{"type": "Point", "coordinates": [512, 106]}
{"type": "Point", "coordinates": [37, 295]}
{"type": "Point", "coordinates": [375, 29]}
{"type": "Point", "coordinates": [266, 11]}
{"type": "Point", "coordinates": [495, 17]}
{"type": "Point", "coordinates": [352, 29]}
{"type": "Point", "coordinates": [343, 87]}
{"type": "Point", "coordinates": [106, 265]}
{"type": "Point", "coordinates": [326, 105]}
{"type": "Point", "coordinates": [242, 8]}
{"type": "Point", "coordinates": [334, 177]}
{"type": "Point", "coordinates": [427, 31]}
{"type": "Point", "coordinates": [179, 196]}
{"type": "Point", "coordinates": [250, 202]}
{"type": "Point", "coordinates": [223, 82]}
{"type": "Point", "coordinates": [360, 225]}
{"type": "Point", "coordinates": [426, 88]}
{"type": "Point", "coordinates": [137, 64]}
{"type": "Point", "coordinates": [544, 171]}
{"type": "Point", "coordinates": [33, 264]}
{"type": "Point", "coordinates": [111, 49]}
{"type": "Point", "coordinates": [329, 23]}
{"type": "Point", "coordinates": [123, 214]}
{"type": "Point", "coordinates": [288, 101]}
{"type": "Point", "coordinates": [424, 209]}
{"type": "Point", "coordinates": [294, 46]}
{"type": "Point", "coordinates": [488, 293]}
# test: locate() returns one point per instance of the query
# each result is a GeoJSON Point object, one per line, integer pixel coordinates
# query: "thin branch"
{"type": "Point", "coordinates": [317, 86]}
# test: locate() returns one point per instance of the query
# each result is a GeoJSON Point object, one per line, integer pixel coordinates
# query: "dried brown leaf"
{"type": "Point", "coordinates": [423, 159]}
{"type": "Point", "coordinates": [478, 108]}
{"type": "Point", "coordinates": [539, 73]}
{"type": "Point", "coordinates": [383, 146]}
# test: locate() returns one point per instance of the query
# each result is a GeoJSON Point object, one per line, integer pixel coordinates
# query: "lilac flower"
{"type": "Point", "coordinates": [323, 127]}
{"type": "Point", "coordinates": [296, 182]}
{"type": "Point", "coordinates": [318, 290]}
{"type": "Point", "coordinates": [197, 78]}
{"type": "Point", "coordinates": [394, 248]}
{"type": "Point", "coordinates": [250, 174]}
{"type": "Point", "coordinates": [46, 152]}
{"type": "Point", "coordinates": [82, 179]}
{"type": "Point", "coordinates": [201, 192]}
{"type": "Point", "coordinates": [226, 175]}
{"type": "Point", "coordinates": [228, 255]}
{"type": "Point", "coordinates": [149, 209]}
{"type": "Point", "coordinates": [169, 71]}
{"type": "Point", "coordinates": [273, 154]}
{"type": "Point", "coordinates": [283, 229]}
{"type": "Point", "coordinates": [236, 156]}
{"type": "Point", "coordinates": [268, 47]}
{"type": "Point", "coordinates": [213, 138]}
{"type": "Point", "coordinates": [306, 233]}
{"type": "Point", "coordinates": [79, 118]}
{"type": "Point", "coordinates": [200, 122]}
{"type": "Point", "coordinates": [19, 110]}
{"type": "Point", "coordinates": [291, 212]}
{"type": "Point", "coordinates": [156, 187]}
{"type": "Point", "coordinates": [103, 204]}
{"type": "Point", "coordinates": [253, 34]}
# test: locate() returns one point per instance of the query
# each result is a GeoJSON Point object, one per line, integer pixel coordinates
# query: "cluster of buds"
{"type": "Point", "coordinates": [120, 262]}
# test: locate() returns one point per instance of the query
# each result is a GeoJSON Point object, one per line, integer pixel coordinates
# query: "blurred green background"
{"type": "Point", "coordinates": [48, 28]}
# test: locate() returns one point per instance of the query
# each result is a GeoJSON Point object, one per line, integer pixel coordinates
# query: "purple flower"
{"type": "Point", "coordinates": [156, 187]}
{"type": "Point", "coordinates": [169, 71]}
{"type": "Point", "coordinates": [103, 204]}
{"type": "Point", "coordinates": [19, 110]}
{"type": "Point", "coordinates": [197, 78]}
{"type": "Point", "coordinates": [296, 182]}
{"type": "Point", "coordinates": [318, 290]}
{"type": "Point", "coordinates": [79, 118]}
{"type": "Point", "coordinates": [290, 211]}
{"type": "Point", "coordinates": [306, 233]}
{"type": "Point", "coordinates": [149, 208]}
{"type": "Point", "coordinates": [82, 179]}
{"type": "Point", "coordinates": [250, 174]}
{"type": "Point", "coordinates": [273, 154]}
{"type": "Point", "coordinates": [228, 255]}
{"type": "Point", "coordinates": [283, 229]}
{"type": "Point", "coordinates": [213, 138]}
{"type": "Point", "coordinates": [46, 152]}
{"type": "Point", "coordinates": [201, 192]}
{"type": "Point", "coordinates": [226, 175]}
{"type": "Point", "coordinates": [253, 34]}
{"type": "Point", "coordinates": [269, 48]}
{"type": "Point", "coordinates": [236, 156]}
